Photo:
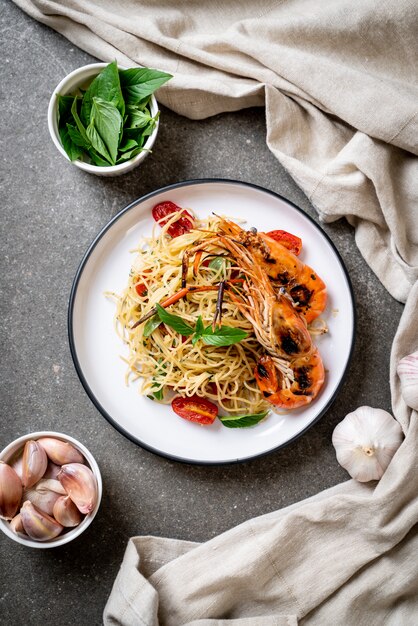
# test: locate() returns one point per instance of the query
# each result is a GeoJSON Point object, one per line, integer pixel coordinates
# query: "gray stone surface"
{"type": "Point", "coordinates": [51, 211]}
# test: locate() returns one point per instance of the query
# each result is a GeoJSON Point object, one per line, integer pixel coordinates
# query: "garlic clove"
{"type": "Point", "coordinates": [365, 442]}
{"type": "Point", "coordinates": [52, 470]}
{"type": "Point", "coordinates": [408, 374]}
{"type": "Point", "coordinates": [16, 525]}
{"type": "Point", "coordinates": [37, 524]}
{"type": "Point", "coordinates": [34, 463]}
{"type": "Point", "coordinates": [10, 491]}
{"type": "Point", "coordinates": [60, 452]}
{"type": "Point", "coordinates": [80, 484]}
{"type": "Point", "coordinates": [44, 494]}
{"type": "Point", "coordinates": [17, 464]}
{"type": "Point", "coordinates": [66, 512]}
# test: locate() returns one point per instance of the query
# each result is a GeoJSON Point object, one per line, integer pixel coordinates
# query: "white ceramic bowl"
{"type": "Point", "coordinates": [8, 453]}
{"type": "Point", "coordinates": [81, 77]}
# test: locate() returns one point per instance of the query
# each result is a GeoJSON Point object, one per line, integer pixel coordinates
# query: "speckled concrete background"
{"type": "Point", "coordinates": [51, 211]}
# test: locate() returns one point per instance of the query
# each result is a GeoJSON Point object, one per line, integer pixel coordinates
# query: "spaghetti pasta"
{"type": "Point", "coordinates": [169, 363]}
{"type": "Point", "coordinates": [237, 328]}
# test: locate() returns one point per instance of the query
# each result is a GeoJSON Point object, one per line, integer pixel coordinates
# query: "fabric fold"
{"type": "Point", "coordinates": [308, 562]}
{"type": "Point", "coordinates": [338, 80]}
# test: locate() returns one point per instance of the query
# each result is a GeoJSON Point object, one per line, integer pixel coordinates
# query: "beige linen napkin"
{"type": "Point", "coordinates": [338, 79]}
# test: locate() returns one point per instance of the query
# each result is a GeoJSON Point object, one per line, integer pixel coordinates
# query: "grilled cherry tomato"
{"type": "Point", "coordinates": [141, 289]}
{"type": "Point", "coordinates": [181, 226]}
{"type": "Point", "coordinates": [289, 241]}
{"type": "Point", "coordinates": [195, 409]}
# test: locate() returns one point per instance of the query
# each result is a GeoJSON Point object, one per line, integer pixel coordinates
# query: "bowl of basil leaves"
{"type": "Point", "coordinates": [104, 118]}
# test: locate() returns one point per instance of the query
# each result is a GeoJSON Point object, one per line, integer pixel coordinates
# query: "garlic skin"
{"type": "Point", "coordinates": [44, 494]}
{"type": "Point", "coordinates": [80, 484]}
{"type": "Point", "coordinates": [408, 374]}
{"type": "Point", "coordinates": [52, 470]}
{"type": "Point", "coordinates": [66, 512]}
{"type": "Point", "coordinates": [60, 452]}
{"type": "Point", "coordinates": [37, 524]}
{"type": "Point", "coordinates": [34, 463]}
{"type": "Point", "coordinates": [365, 442]}
{"type": "Point", "coordinates": [10, 491]}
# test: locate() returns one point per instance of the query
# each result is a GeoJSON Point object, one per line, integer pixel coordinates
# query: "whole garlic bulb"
{"type": "Point", "coordinates": [408, 373]}
{"type": "Point", "coordinates": [365, 442]}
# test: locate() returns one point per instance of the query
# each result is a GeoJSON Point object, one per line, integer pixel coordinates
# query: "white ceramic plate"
{"type": "Point", "coordinates": [96, 348]}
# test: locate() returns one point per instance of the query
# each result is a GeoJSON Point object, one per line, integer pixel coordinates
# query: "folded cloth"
{"type": "Point", "coordinates": [339, 83]}
{"type": "Point", "coordinates": [347, 555]}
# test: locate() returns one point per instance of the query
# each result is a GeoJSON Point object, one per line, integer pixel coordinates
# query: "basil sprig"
{"type": "Point", "coordinates": [174, 321]}
{"type": "Point", "coordinates": [110, 122]}
{"type": "Point", "coordinates": [151, 325]}
{"type": "Point", "coordinates": [221, 336]}
{"type": "Point", "coordinates": [242, 421]}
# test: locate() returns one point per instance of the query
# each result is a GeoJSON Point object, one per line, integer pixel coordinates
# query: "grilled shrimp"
{"type": "Point", "coordinates": [308, 378]}
{"type": "Point", "coordinates": [277, 325]}
{"type": "Point", "coordinates": [279, 295]}
{"type": "Point", "coordinates": [291, 374]}
{"type": "Point", "coordinates": [307, 290]}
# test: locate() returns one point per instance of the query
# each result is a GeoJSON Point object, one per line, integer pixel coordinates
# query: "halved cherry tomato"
{"type": "Point", "coordinates": [141, 289]}
{"type": "Point", "coordinates": [289, 241]}
{"type": "Point", "coordinates": [181, 226]}
{"type": "Point", "coordinates": [195, 409]}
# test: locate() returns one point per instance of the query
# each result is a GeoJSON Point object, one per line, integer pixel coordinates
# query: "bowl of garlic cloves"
{"type": "Point", "coordinates": [50, 489]}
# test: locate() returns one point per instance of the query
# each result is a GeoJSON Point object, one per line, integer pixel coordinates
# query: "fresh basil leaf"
{"type": "Point", "coordinates": [141, 105]}
{"type": "Point", "coordinates": [108, 122]}
{"type": "Point", "coordinates": [242, 421]}
{"type": "Point", "coordinates": [129, 155]}
{"type": "Point", "coordinates": [77, 138]}
{"type": "Point", "coordinates": [105, 86]}
{"type": "Point", "coordinates": [139, 119]}
{"type": "Point", "coordinates": [199, 325]}
{"type": "Point", "coordinates": [151, 325]}
{"type": "Point", "coordinates": [128, 144]}
{"type": "Point", "coordinates": [64, 109]}
{"type": "Point", "coordinates": [74, 152]}
{"type": "Point", "coordinates": [135, 134]}
{"type": "Point", "coordinates": [174, 321]}
{"type": "Point", "coordinates": [198, 331]}
{"type": "Point", "coordinates": [223, 336]}
{"type": "Point", "coordinates": [148, 130]}
{"type": "Point", "coordinates": [97, 159]}
{"type": "Point", "coordinates": [139, 82]}
{"type": "Point", "coordinates": [80, 126]}
{"type": "Point", "coordinates": [97, 142]}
